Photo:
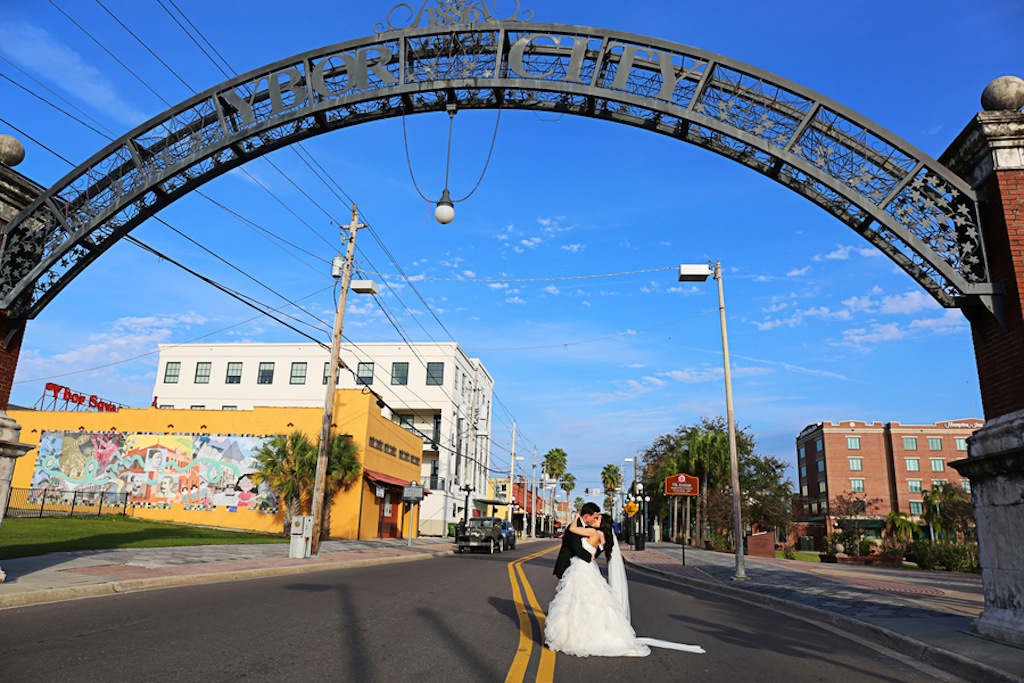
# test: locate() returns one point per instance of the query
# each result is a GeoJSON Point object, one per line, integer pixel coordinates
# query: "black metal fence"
{"type": "Point", "coordinates": [61, 503]}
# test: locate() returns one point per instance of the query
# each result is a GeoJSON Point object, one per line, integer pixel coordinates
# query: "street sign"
{"type": "Point", "coordinates": [413, 493]}
{"type": "Point", "coordinates": [632, 508]}
{"type": "Point", "coordinates": [681, 485]}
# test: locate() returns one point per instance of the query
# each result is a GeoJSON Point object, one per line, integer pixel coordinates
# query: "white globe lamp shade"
{"type": "Point", "coordinates": [444, 213]}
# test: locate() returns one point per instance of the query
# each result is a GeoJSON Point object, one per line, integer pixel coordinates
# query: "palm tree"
{"type": "Point", "coordinates": [283, 464]}
{"type": "Point", "coordinates": [343, 470]}
{"type": "Point", "coordinates": [611, 478]}
{"type": "Point", "coordinates": [555, 462]}
{"type": "Point", "coordinates": [899, 526]}
{"type": "Point", "coordinates": [568, 484]}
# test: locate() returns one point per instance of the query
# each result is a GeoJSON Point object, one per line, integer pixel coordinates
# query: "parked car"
{"type": "Point", "coordinates": [481, 533]}
{"type": "Point", "coordinates": [508, 535]}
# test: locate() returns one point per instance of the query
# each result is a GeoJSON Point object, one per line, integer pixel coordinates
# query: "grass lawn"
{"type": "Point", "coordinates": [22, 537]}
{"type": "Point", "coordinates": [800, 556]}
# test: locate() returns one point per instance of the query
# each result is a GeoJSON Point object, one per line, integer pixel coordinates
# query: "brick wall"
{"type": "Point", "coordinates": [999, 353]}
{"type": "Point", "coordinates": [10, 349]}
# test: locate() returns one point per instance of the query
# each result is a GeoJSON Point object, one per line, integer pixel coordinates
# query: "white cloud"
{"type": "Point", "coordinates": [910, 302]}
{"type": "Point", "coordinates": [498, 285]}
{"type": "Point", "coordinates": [875, 334]}
{"type": "Point", "coordinates": [531, 243]}
{"type": "Point", "coordinates": [551, 289]}
{"type": "Point", "coordinates": [951, 320]}
{"type": "Point", "coordinates": [797, 272]}
{"type": "Point", "coordinates": [468, 273]}
{"type": "Point", "coordinates": [515, 300]}
{"type": "Point", "coordinates": [572, 248]}
{"type": "Point", "coordinates": [35, 49]}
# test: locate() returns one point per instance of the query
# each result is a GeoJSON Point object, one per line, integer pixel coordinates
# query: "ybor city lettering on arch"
{"type": "Point", "coordinates": [334, 76]}
{"type": "Point", "coordinates": [68, 395]}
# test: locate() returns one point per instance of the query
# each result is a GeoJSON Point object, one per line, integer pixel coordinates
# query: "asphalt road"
{"type": "Point", "coordinates": [452, 619]}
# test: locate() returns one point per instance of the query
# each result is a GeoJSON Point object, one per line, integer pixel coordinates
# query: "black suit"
{"type": "Point", "coordinates": [572, 545]}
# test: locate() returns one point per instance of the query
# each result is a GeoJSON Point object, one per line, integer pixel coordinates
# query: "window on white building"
{"type": "Point", "coordinates": [266, 373]}
{"type": "Point", "coordinates": [406, 421]}
{"type": "Point", "coordinates": [171, 372]}
{"type": "Point", "coordinates": [400, 374]}
{"type": "Point", "coordinates": [914, 485]}
{"type": "Point", "coordinates": [435, 374]}
{"type": "Point", "coordinates": [298, 375]}
{"type": "Point", "coordinates": [938, 464]}
{"type": "Point", "coordinates": [935, 443]}
{"type": "Point", "coordinates": [910, 443]}
{"type": "Point", "coordinates": [234, 374]}
{"type": "Point", "coordinates": [857, 486]}
{"type": "Point", "coordinates": [853, 443]}
{"type": "Point", "coordinates": [203, 372]}
{"type": "Point", "coordinates": [856, 464]}
{"type": "Point", "coordinates": [364, 373]}
{"type": "Point", "coordinates": [916, 507]}
{"type": "Point", "coordinates": [327, 371]}
{"type": "Point", "coordinates": [229, 407]}
{"type": "Point", "coordinates": [165, 406]}
{"type": "Point", "coordinates": [913, 465]}
{"type": "Point", "coordinates": [197, 407]}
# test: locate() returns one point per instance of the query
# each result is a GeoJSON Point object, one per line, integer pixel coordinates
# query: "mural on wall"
{"type": "Point", "coordinates": [195, 471]}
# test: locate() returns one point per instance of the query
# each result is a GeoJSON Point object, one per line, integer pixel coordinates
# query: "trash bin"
{"type": "Point", "coordinates": [302, 537]}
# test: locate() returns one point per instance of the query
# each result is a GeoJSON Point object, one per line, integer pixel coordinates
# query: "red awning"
{"type": "Point", "coordinates": [387, 479]}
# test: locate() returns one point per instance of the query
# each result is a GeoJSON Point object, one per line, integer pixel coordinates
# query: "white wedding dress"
{"type": "Point", "coordinates": [587, 618]}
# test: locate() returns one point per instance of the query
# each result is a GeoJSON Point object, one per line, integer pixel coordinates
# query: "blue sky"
{"type": "Point", "coordinates": [821, 325]}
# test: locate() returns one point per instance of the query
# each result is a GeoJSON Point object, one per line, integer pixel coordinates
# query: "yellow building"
{"type": "Point", "coordinates": [194, 466]}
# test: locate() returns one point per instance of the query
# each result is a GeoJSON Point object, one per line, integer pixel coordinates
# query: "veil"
{"type": "Point", "coordinates": [617, 579]}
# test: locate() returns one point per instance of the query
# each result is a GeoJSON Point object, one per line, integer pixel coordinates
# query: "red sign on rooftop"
{"type": "Point", "coordinates": [681, 485]}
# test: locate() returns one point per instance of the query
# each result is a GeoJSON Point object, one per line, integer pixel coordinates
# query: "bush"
{"type": "Point", "coordinates": [789, 551]}
{"type": "Point", "coordinates": [892, 547]}
{"type": "Point", "coordinates": [721, 542]}
{"type": "Point", "coordinates": [865, 546]}
{"type": "Point", "coordinates": [954, 557]}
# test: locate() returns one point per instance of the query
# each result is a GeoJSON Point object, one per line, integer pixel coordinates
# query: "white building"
{"type": "Point", "coordinates": [433, 389]}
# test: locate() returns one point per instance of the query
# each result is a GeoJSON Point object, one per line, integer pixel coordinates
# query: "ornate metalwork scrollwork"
{"type": "Point", "coordinates": [449, 13]}
{"type": "Point", "coordinates": [914, 210]}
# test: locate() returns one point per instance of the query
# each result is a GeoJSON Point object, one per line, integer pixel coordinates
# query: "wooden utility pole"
{"type": "Point", "coordinates": [332, 380]}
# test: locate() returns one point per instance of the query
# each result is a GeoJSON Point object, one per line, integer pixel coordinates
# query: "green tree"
{"type": "Point", "coordinates": [767, 493]}
{"type": "Point", "coordinates": [899, 526]}
{"type": "Point", "coordinates": [948, 510]}
{"type": "Point", "coordinates": [343, 470]}
{"type": "Point", "coordinates": [568, 484]}
{"type": "Point", "coordinates": [555, 463]}
{"type": "Point", "coordinates": [578, 502]}
{"type": "Point", "coordinates": [283, 464]}
{"type": "Point", "coordinates": [611, 478]}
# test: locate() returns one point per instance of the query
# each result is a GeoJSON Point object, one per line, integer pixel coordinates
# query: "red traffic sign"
{"type": "Point", "coordinates": [681, 485]}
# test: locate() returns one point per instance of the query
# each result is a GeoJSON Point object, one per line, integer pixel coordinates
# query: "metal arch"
{"type": "Point", "coordinates": [917, 212]}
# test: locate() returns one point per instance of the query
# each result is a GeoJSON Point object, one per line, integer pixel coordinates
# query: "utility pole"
{"type": "Point", "coordinates": [533, 498]}
{"type": "Point", "coordinates": [332, 379]}
{"type": "Point", "coordinates": [512, 474]}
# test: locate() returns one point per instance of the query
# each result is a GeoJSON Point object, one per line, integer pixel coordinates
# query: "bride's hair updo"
{"type": "Point", "coordinates": [608, 529]}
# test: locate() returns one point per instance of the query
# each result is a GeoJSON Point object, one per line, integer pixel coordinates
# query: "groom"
{"type": "Point", "coordinates": [572, 544]}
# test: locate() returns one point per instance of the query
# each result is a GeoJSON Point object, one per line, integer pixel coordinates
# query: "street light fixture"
{"type": "Point", "coordinates": [699, 273]}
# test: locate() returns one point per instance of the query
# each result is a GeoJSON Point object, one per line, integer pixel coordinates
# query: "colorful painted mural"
{"type": "Point", "coordinates": [193, 471]}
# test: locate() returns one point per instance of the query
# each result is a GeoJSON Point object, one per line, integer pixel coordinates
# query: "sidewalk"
{"type": "Point", "coordinates": [924, 615]}
{"type": "Point", "coordinates": [88, 573]}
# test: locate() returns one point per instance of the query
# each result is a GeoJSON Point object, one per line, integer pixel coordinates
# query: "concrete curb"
{"type": "Point", "coordinates": [950, 662]}
{"type": "Point", "coordinates": [134, 585]}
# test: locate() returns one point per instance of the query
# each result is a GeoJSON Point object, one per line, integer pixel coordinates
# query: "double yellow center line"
{"type": "Point", "coordinates": [524, 651]}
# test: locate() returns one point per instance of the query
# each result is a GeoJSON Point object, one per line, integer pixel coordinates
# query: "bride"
{"type": "Point", "coordinates": [588, 616]}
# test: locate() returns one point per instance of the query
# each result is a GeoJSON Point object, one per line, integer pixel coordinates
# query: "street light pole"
{"type": "Point", "coordinates": [332, 381]}
{"type": "Point", "coordinates": [699, 273]}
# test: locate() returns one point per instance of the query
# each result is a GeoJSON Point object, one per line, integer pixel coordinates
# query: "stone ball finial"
{"type": "Point", "coordinates": [1004, 93]}
{"type": "Point", "coordinates": [12, 152]}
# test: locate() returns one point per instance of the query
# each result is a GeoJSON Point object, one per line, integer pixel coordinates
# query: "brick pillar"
{"type": "Point", "coordinates": [11, 334]}
{"type": "Point", "coordinates": [990, 155]}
